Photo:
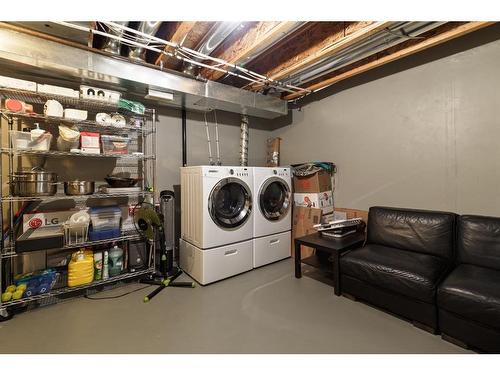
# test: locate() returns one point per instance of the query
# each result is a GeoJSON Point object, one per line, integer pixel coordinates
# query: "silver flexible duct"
{"type": "Point", "coordinates": [244, 141]}
{"type": "Point", "coordinates": [210, 42]}
{"type": "Point", "coordinates": [146, 27]}
{"type": "Point", "coordinates": [380, 41]}
{"type": "Point", "coordinates": [113, 45]}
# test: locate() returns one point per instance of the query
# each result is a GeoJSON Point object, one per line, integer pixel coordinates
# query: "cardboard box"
{"type": "Point", "coordinates": [46, 219]}
{"type": "Point", "coordinates": [323, 200]}
{"type": "Point", "coordinates": [273, 152]}
{"type": "Point", "coordinates": [304, 219]}
{"type": "Point", "coordinates": [315, 183]}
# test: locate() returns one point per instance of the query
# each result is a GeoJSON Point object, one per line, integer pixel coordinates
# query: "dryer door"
{"type": "Point", "coordinates": [274, 198]}
{"type": "Point", "coordinates": [230, 203]}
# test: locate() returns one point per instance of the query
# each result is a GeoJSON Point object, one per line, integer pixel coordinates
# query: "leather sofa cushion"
{"type": "Point", "coordinates": [478, 241]}
{"type": "Point", "coordinates": [429, 232]}
{"type": "Point", "coordinates": [472, 292]}
{"type": "Point", "coordinates": [407, 273]}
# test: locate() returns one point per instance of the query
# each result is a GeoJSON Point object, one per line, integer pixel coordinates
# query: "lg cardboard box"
{"type": "Point", "coordinates": [304, 219]}
{"type": "Point", "coordinates": [315, 183]}
{"type": "Point", "coordinates": [323, 200]}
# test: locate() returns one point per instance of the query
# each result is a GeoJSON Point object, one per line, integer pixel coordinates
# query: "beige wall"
{"type": "Point", "coordinates": [425, 137]}
{"type": "Point", "coordinates": [169, 138]}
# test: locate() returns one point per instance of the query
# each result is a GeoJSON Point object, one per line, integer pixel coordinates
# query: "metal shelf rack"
{"type": "Point", "coordinates": [54, 153]}
{"type": "Point", "coordinates": [82, 124]}
{"type": "Point", "coordinates": [33, 97]}
{"type": "Point", "coordinates": [140, 161]}
{"type": "Point", "coordinates": [67, 290]}
{"type": "Point", "coordinates": [127, 236]}
{"type": "Point", "coordinates": [52, 198]}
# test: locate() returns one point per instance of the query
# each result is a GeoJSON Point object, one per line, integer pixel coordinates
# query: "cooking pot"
{"type": "Point", "coordinates": [34, 183]}
{"type": "Point", "coordinates": [79, 187]}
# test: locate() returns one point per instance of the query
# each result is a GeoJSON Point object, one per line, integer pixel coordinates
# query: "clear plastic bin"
{"type": "Point", "coordinates": [23, 141]}
{"type": "Point", "coordinates": [105, 218]}
{"type": "Point", "coordinates": [114, 144]}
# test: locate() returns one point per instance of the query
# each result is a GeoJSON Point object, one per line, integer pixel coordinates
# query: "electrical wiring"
{"type": "Point", "coordinates": [117, 296]}
{"type": "Point", "coordinates": [131, 36]}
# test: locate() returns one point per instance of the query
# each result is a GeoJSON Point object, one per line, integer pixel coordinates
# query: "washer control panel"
{"type": "Point", "coordinates": [243, 172]}
{"type": "Point", "coordinates": [227, 171]}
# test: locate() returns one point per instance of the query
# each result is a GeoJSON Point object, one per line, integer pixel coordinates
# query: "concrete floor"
{"type": "Point", "coordinates": [263, 311]}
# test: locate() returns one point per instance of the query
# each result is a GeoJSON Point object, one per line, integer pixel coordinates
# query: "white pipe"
{"type": "Point", "coordinates": [217, 138]}
{"type": "Point", "coordinates": [210, 158]}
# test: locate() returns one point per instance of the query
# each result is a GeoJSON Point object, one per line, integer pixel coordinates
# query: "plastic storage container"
{"type": "Point", "coordinates": [81, 268]}
{"type": "Point", "coordinates": [106, 222]}
{"type": "Point", "coordinates": [24, 141]}
{"type": "Point", "coordinates": [114, 144]}
{"type": "Point", "coordinates": [40, 139]}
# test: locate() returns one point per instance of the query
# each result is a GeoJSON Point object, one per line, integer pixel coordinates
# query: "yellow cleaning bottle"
{"type": "Point", "coordinates": [81, 268]}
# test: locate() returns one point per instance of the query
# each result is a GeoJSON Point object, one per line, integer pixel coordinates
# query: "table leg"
{"type": "Point", "coordinates": [298, 265]}
{"type": "Point", "coordinates": [336, 273]}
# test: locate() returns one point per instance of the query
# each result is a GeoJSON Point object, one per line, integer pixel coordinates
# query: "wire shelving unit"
{"type": "Point", "coordinates": [139, 162]}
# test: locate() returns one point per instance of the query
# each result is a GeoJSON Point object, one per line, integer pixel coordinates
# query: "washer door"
{"type": "Point", "coordinates": [230, 203]}
{"type": "Point", "coordinates": [274, 199]}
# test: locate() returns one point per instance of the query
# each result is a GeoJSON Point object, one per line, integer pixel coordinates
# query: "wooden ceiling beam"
{"type": "Point", "coordinates": [336, 37]}
{"type": "Point", "coordinates": [237, 50]}
{"type": "Point", "coordinates": [399, 54]}
{"type": "Point", "coordinates": [185, 33]}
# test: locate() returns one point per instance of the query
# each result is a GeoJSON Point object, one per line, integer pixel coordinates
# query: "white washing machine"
{"type": "Point", "coordinates": [272, 214]}
{"type": "Point", "coordinates": [216, 221]}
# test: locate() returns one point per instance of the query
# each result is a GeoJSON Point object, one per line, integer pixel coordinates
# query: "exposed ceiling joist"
{"type": "Point", "coordinates": [336, 40]}
{"type": "Point", "coordinates": [188, 34]}
{"type": "Point", "coordinates": [401, 53]}
{"type": "Point", "coordinates": [259, 36]}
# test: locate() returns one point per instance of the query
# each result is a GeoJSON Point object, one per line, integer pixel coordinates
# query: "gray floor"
{"type": "Point", "coordinates": [263, 311]}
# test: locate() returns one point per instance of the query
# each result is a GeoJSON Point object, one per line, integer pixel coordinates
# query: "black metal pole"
{"type": "Point", "coordinates": [184, 138]}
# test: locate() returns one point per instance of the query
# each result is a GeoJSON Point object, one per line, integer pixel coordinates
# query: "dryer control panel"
{"type": "Point", "coordinates": [281, 172]}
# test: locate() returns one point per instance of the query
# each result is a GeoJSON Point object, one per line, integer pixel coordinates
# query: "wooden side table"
{"type": "Point", "coordinates": [334, 246]}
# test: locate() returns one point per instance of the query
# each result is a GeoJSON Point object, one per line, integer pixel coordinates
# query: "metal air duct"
{"type": "Point", "coordinates": [112, 45]}
{"type": "Point", "coordinates": [217, 34]}
{"type": "Point", "coordinates": [32, 57]}
{"type": "Point", "coordinates": [380, 41]}
{"type": "Point", "coordinates": [146, 27]}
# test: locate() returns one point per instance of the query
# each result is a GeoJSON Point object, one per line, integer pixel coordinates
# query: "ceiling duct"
{"type": "Point", "coordinates": [112, 45]}
{"type": "Point", "coordinates": [380, 41]}
{"type": "Point", "coordinates": [146, 27]}
{"type": "Point", "coordinates": [217, 34]}
{"type": "Point", "coordinates": [27, 56]}
{"type": "Point", "coordinates": [244, 141]}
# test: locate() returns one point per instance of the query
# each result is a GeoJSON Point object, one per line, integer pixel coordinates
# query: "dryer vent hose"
{"type": "Point", "coordinates": [244, 141]}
